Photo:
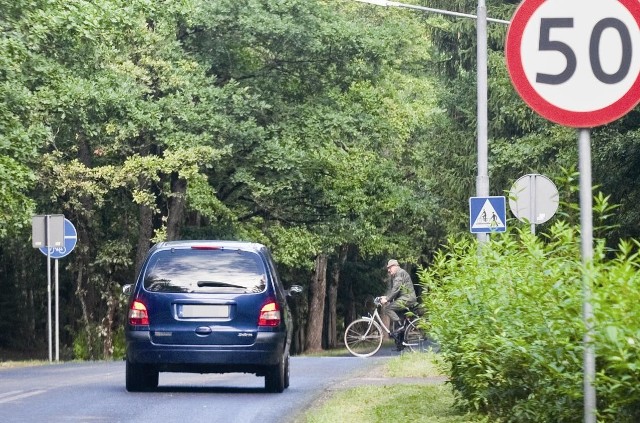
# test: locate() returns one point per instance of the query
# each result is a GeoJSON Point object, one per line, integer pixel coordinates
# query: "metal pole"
{"type": "Point", "coordinates": [532, 203]}
{"type": "Point", "coordinates": [482, 181]}
{"type": "Point", "coordinates": [586, 223]}
{"type": "Point", "coordinates": [48, 240]}
{"type": "Point", "coordinates": [57, 314]}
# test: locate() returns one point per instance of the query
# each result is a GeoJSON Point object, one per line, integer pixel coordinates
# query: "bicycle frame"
{"type": "Point", "coordinates": [376, 317]}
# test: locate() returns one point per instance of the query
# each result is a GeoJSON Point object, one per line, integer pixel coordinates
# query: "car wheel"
{"type": "Point", "coordinates": [274, 380]}
{"type": "Point", "coordinates": [140, 377]}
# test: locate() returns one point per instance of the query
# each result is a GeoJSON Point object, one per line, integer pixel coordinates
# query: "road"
{"type": "Point", "coordinates": [95, 392]}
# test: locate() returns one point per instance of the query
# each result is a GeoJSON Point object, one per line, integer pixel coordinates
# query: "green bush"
{"type": "Point", "coordinates": [617, 312]}
{"type": "Point", "coordinates": [89, 344]}
{"type": "Point", "coordinates": [508, 317]}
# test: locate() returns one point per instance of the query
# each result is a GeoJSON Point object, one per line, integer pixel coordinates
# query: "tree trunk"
{"type": "Point", "coordinates": [109, 320]}
{"type": "Point", "coordinates": [86, 315]}
{"type": "Point", "coordinates": [144, 234]}
{"type": "Point", "coordinates": [330, 316]}
{"type": "Point", "coordinates": [297, 342]}
{"type": "Point", "coordinates": [31, 306]}
{"type": "Point", "coordinates": [176, 206]}
{"type": "Point", "coordinates": [299, 316]}
{"type": "Point", "coordinates": [313, 341]}
{"type": "Point", "coordinates": [331, 323]}
{"type": "Point", "coordinates": [85, 291]}
{"type": "Point", "coordinates": [146, 224]}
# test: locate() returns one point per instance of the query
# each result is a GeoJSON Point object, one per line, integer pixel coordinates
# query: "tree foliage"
{"type": "Point", "coordinates": [324, 129]}
{"type": "Point", "coordinates": [289, 122]}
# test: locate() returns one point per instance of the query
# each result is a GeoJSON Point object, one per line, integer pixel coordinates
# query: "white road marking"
{"type": "Point", "coordinates": [18, 395]}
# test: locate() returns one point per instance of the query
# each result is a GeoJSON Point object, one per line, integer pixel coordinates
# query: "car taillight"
{"type": "Point", "coordinates": [138, 315]}
{"type": "Point", "coordinates": [270, 314]}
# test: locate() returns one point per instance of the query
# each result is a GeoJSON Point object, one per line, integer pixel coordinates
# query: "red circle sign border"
{"type": "Point", "coordinates": [547, 110]}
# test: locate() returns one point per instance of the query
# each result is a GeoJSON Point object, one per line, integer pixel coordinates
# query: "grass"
{"type": "Point", "coordinates": [26, 363]}
{"type": "Point", "coordinates": [10, 359]}
{"type": "Point", "coordinates": [415, 365]}
{"type": "Point", "coordinates": [433, 403]}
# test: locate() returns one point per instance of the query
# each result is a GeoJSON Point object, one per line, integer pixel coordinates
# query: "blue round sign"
{"type": "Point", "coordinates": [70, 239]}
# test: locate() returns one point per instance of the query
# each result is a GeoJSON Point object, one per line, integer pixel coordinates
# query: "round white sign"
{"type": "Point", "coordinates": [534, 198]}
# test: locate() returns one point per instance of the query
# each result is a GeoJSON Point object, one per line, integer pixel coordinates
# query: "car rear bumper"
{"type": "Point", "coordinates": [267, 350]}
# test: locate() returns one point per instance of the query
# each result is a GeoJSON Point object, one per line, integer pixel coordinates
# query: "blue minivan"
{"type": "Point", "coordinates": [208, 307]}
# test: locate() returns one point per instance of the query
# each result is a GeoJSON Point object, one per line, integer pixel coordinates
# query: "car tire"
{"type": "Point", "coordinates": [140, 377]}
{"type": "Point", "coordinates": [274, 380]}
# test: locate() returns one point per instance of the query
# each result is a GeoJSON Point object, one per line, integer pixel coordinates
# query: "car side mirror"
{"type": "Point", "coordinates": [126, 290]}
{"type": "Point", "coordinates": [295, 289]}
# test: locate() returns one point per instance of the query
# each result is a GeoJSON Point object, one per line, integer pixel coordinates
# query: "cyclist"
{"type": "Point", "coordinates": [400, 297]}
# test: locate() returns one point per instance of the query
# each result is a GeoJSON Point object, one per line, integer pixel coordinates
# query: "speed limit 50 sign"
{"type": "Point", "coordinates": [576, 62]}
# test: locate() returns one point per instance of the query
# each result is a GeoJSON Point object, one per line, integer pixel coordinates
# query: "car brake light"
{"type": "Point", "coordinates": [138, 315]}
{"type": "Point", "coordinates": [269, 314]}
{"type": "Point", "coordinates": [206, 247]}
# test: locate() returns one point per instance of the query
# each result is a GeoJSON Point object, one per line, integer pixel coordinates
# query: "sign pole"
{"type": "Point", "coordinates": [47, 231]}
{"type": "Point", "coordinates": [48, 235]}
{"type": "Point", "coordinates": [586, 223]}
{"type": "Point", "coordinates": [482, 181]}
{"type": "Point", "coordinates": [532, 204]}
{"type": "Point", "coordinates": [57, 313]}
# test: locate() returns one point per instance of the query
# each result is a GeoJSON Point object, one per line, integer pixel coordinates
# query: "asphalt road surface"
{"type": "Point", "coordinates": [95, 392]}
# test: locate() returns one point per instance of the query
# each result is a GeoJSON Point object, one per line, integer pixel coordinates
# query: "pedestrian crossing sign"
{"type": "Point", "coordinates": [487, 214]}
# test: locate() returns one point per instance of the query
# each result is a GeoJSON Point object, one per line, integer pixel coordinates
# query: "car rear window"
{"type": "Point", "coordinates": [205, 271]}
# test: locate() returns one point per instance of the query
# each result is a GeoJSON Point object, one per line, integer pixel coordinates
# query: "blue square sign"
{"type": "Point", "coordinates": [487, 214]}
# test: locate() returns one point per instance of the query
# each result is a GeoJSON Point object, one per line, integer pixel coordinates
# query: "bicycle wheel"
{"type": "Point", "coordinates": [414, 337]}
{"type": "Point", "coordinates": [363, 337]}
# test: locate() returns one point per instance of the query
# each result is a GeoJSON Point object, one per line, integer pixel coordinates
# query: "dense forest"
{"type": "Point", "coordinates": [337, 133]}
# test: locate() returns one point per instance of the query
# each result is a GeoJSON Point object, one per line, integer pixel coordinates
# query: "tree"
{"type": "Point", "coordinates": [318, 128]}
{"type": "Point", "coordinates": [340, 120]}
{"type": "Point", "coordinates": [21, 130]}
{"type": "Point", "coordinates": [129, 118]}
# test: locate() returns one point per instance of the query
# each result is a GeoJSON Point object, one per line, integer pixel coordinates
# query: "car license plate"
{"type": "Point", "coordinates": [194, 311]}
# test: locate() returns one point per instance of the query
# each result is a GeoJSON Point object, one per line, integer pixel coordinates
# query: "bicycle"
{"type": "Point", "coordinates": [363, 337]}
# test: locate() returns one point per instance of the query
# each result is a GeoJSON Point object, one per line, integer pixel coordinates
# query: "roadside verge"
{"type": "Point", "coordinates": [409, 388]}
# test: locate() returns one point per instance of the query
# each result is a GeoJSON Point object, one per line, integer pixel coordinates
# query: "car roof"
{"type": "Point", "coordinates": [224, 244]}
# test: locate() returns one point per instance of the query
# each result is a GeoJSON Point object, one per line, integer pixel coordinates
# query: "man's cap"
{"type": "Point", "coordinates": [392, 262]}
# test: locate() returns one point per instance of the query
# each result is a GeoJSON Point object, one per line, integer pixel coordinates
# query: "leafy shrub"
{"type": "Point", "coordinates": [508, 317]}
{"type": "Point", "coordinates": [617, 312]}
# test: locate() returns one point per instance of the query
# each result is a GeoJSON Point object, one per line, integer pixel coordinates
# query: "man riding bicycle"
{"type": "Point", "coordinates": [400, 297]}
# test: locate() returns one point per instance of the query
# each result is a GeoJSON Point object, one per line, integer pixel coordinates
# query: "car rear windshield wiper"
{"type": "Point", "coordinates": [217, 284]}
